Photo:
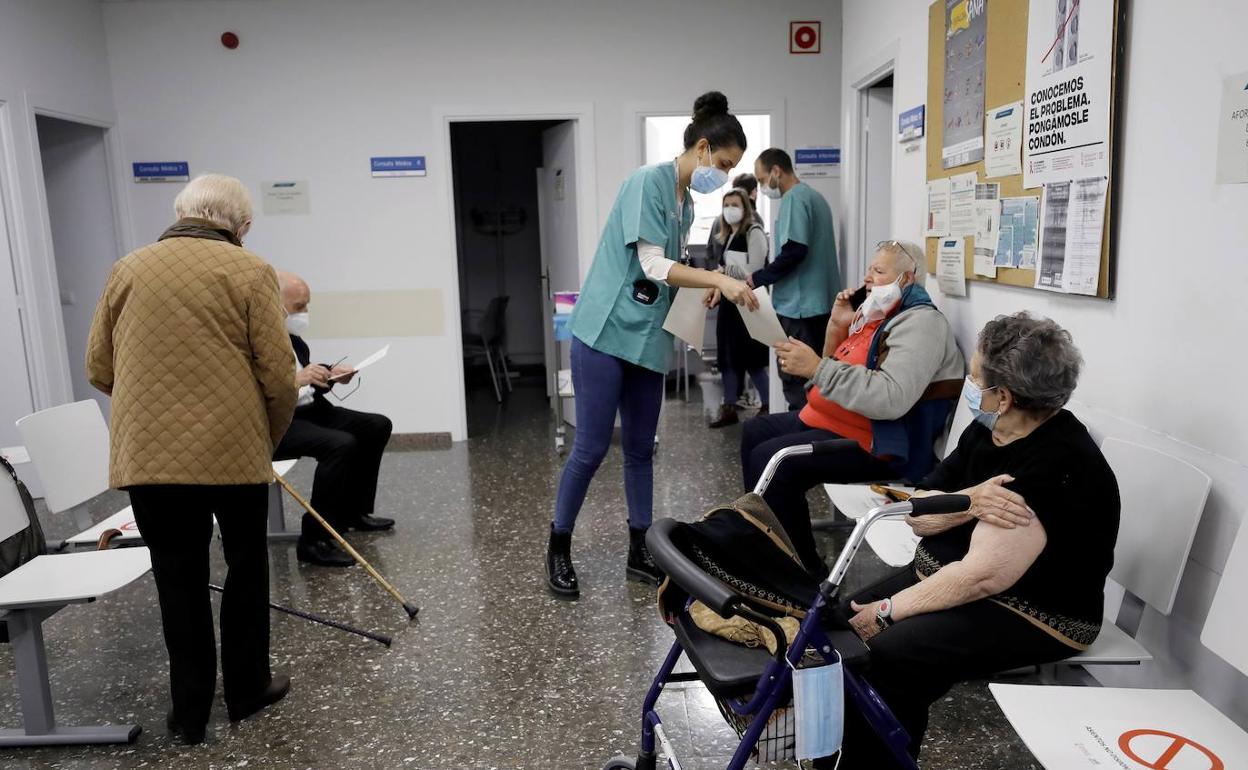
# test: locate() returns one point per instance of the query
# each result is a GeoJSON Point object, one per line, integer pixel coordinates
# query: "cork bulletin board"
{"type": "Point", "coordinates": [1004, 82]}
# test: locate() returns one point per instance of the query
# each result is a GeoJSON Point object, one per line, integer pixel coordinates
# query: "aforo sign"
{"type": "Point", "coordinates": [1161, 750]}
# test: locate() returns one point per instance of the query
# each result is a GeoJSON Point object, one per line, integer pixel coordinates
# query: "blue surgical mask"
{"type": "Point", "coordinates": [708, 179]}
{"type": "Point", "coordinates": [819, 708]}
{"type": "Point", "coordinates": [974, 396]}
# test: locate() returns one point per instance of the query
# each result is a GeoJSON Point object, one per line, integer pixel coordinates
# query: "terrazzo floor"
{"type": "Point", "coordinates": [495, 673]}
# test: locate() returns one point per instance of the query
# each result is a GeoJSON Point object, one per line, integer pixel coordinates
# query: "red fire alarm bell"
{"type": "Point", "coordinates": [804, 37]}
{"type": "Point", "coordinates": [229, 40]}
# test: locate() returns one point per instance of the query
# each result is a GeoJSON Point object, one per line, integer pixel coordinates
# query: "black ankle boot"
{"type": "Point", "coordinates": [641, 566]}
{"type": "Point", "coordinates": [560, 575]}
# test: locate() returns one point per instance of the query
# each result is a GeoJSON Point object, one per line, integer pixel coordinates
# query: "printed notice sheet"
{"type": "Point", "coordinates": [966, 36]}
{"type": "Point", "coordinates": [962, 204]}
{"type": "Point", "coordinates": [1003, 137]}
{"type": "Point", "coordinates": [1074, 222]}
{"type": "Point", "coordinates": [951, 266]}
{"type": "Point", "coordinates": [937, 208]}
{"type": "Point", "coordinates": [1070, 55]}
{"type": "Point", "coordinates": [987, 228]}
{"type": "Point", "coordinates": [1233, 130]}
{"type": "Point", "coordinates": [1020, 220]}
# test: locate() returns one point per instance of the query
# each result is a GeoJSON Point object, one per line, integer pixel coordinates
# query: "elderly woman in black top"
{"type": "Point", "coordinates": [1018, 578]}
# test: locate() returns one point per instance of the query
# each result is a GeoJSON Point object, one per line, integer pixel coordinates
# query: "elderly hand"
{"type": "Point", "coordinates": [993, 503]}
{"type": "Point", "coordinates": [843, 310]}
{"type": "Point", "coordinates": [711, 298]}
{"type": "Point", "coordinates": [864, 622]}
{"type": "Point", "coordinates": [797, 358]}
{"type": "Point", "coordinates": [342, 373]}
{"type": "Point", "coordinates": [313, 374]}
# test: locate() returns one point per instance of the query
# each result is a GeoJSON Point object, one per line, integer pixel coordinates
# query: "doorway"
{"type": "Point", "coordinates": [84, 235]}
{"type": "Point", "coordinates": [516, 243]}
{"type": "Point", "coordinates": [871, 204]}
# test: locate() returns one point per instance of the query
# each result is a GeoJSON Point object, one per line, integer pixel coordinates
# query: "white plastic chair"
{"type": "Point", "coordinates": [893, 541]}
{"type": "Point", "coordinates": [34, 592]}
{"type": "Point", "coordinates": [69, 448]}
{"type": "Point", "coordinates": [1162, 500]}
{"type": "Point", "coordinates": [1064, 726]}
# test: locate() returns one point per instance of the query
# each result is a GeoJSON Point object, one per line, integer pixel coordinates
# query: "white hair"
{"type": "Point", "coordinates": [909, 258]}
{"type": "Point", "coordinates": [220, 199]}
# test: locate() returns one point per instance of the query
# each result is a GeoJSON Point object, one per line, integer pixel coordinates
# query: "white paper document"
{"type": "Point", "coordinates": [1003, 138]}
{"type": "Point", "coordinates": [962, 204]}
{"type": "Point", "coordinates": [1233, 130]}
{"type": "Point", "coordinates": [1070, 246]}
{"type": "Point", "coordinates": [951, 266]}
{"type": "Point", "coordinates": [987, 228]}
{"type": "Point", "coordinates": [937, 208]}
{"type": "Point", "coordinates": [374, 358]}
{"type": "Point", "coordinates": [763, 324]}
{"type": "Point", "coordinates": [686, 318]}
{"type": "Point", "coordinates": [1016, 245]}
{"type": "Point", "coordinates": [1070, 54]}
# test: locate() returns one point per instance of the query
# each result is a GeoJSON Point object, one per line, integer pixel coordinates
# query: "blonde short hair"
{"type": "Point", "coordinates": [218, 198]}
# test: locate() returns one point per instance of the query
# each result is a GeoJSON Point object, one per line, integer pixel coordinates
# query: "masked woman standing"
{"type": "Point", "coordinates": [619, 348]}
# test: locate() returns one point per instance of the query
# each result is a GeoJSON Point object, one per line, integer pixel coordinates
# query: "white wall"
{"type": "Point", "coordinates": [53, 60]}
{"type": "Point", "coordinates": [1165, 359]}
{"type": "Point", "coordinates": [317, 87]}
{"type": "Point", "coordinates": [80, 213]}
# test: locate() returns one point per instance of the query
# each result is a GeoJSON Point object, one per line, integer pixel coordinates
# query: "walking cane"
{"type": "Point", "coordinates": [410, 608]}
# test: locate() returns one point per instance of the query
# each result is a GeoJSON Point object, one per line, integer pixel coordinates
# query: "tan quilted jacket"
{"type": "Point", "coordinates": [189, 338]}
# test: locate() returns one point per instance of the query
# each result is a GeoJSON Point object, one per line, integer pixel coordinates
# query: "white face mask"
{"type": "Point", "coordinates": [771, 192]}
{"type": "Point", "coordinates": [882, 299]}
{"type": "Point", "coordinates": [733, 214]}
{"type": "Point", "coordinates": [297, 323]}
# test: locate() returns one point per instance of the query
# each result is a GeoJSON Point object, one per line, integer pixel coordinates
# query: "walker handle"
{"type": "Point", "coordinates": [926, 506]}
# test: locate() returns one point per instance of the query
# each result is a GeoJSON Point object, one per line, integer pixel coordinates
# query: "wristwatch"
{"type": "Point", "coordinates": [884, 613]}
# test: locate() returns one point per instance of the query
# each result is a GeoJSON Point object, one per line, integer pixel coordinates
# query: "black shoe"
{"type": "Point", "coordinates": [641, 566]}
{"type": "Point", "coordinates": [368, 523]}
{"type": "Point", "coordinates": [560, 575]}
{"type": "Point", "coordinates": [727, 416]}
{"type": "Point", "coordinates": [186, 735]}
{"type": "Point", "coordinates": [322, 553]}
{"type": "Point", "coordinates": [274, 691]}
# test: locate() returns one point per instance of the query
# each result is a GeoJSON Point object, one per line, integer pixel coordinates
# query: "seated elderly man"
{"type": "Point", "coordinates": [889, 375]}
{"type": "Point", "coordinates": [1016, 580]}
{"type": "Point", "coordinates": [347, 445]}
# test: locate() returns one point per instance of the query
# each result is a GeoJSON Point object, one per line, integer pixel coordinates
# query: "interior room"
{"type": "Point", "coordinates": [623, 385]}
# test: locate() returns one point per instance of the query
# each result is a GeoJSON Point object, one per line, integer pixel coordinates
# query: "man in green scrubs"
{"type": "Point", "coordinates": [804, 275]}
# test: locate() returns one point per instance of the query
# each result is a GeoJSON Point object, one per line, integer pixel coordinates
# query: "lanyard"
{"type": "Point", "coordinates": [683, 235]}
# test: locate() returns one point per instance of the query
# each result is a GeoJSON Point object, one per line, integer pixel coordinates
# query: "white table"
{"type": "Point", "coordinates": [35, 592]}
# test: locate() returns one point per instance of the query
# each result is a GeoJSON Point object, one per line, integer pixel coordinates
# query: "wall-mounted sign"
{"type": "Point", "coordinates": [406, 165]}
{"type": "Point", "coordinates": [285, 197]}
{"type": "Point", "coordinates": [166, 171]}
{"type": "Point", "coordinates": [1233, 130]}
{"type": "Point", "coordinates": [804, 37]}
{"type": "Point", "coordinates": [910, 123]}
{"type": "Point", "coordinates": [817, 161]}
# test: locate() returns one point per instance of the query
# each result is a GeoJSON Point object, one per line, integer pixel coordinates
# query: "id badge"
{"type": "Point", "coordinates": [819, 710]}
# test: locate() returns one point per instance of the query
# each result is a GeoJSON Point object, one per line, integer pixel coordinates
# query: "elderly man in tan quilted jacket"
{"type": "Point", "coordinates": [189, 340]}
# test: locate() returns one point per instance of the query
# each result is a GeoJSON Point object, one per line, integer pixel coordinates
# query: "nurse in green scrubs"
{"type": "Point", "coordinates": [619, 348]}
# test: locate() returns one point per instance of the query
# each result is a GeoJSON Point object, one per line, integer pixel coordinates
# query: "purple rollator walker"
{"type": "Point", "coordinates": [751, 684]}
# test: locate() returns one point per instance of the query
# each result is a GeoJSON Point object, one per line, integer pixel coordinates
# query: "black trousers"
{"type": "Point", "coordinates": [812, 331]}
{"type": "Point", "coordinates": [347, 446]}
{"type": "Point", "coordinates": [767, 434]}
{"type": "Point", "coordinates": [176, 524]}
{"type": "Point", "coordinates": [916, 661]}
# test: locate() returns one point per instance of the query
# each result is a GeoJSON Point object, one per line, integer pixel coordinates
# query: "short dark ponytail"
{"type": "Point", "coordinates": [713, 122]}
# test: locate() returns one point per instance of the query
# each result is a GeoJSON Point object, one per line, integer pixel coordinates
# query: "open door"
{"type": "Point", "coordinates": [556, 204]}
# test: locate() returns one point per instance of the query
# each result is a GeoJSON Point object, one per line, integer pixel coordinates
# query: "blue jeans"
{"type": "Point", "coordinates": [604, 385]}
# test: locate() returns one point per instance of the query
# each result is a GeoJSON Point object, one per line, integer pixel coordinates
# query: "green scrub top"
{"type": "Point", "coordinates": [810, 289]}
{"type": "Point", "coordinates": [620, 311]}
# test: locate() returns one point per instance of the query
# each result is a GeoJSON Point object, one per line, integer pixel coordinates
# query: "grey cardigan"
{"type": "Point", "coordinates": [920, 350]}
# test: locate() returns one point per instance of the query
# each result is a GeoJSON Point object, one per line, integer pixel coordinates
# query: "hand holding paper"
{"type": "Point", "coordinates": [686, 318]}
{"type": "Point", "coordinates": [374, 358]}
{"type": "Point", "coordinates": [763, 324]}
